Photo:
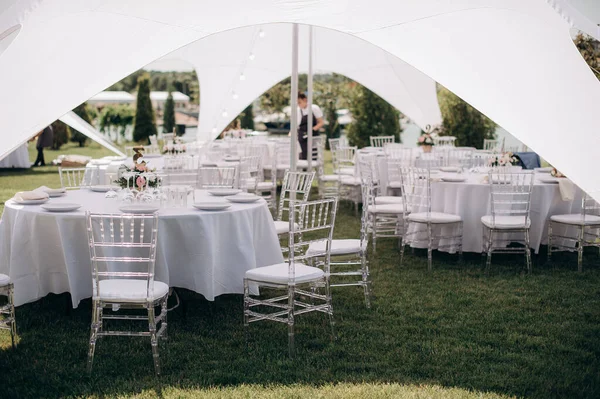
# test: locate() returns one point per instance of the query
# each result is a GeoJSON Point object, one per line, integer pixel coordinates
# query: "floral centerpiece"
{"type": "Point", "coordinates": [504, 159]}
{"type": "Point", "coordinates": [425, 140]}
{"type": "Point", "coordinates": [556, 173]}
{"type": "Point", "coordinates": [140, 175]}
{"type": "Point", "coordinates": [175, 147]}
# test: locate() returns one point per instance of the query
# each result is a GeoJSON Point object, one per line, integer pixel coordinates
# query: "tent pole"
{"type": "Point", "coordinates": [310, 98]}
{"type": "Point", "coordinates": [294, 102]}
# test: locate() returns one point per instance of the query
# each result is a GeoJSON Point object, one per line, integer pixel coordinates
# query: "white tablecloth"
{"type": "Point", "coordinates": [471, 200]}
{"type": "Point", "coordinates": [207, 252]}
{"type": "Point", "coordinates": [19, 158]}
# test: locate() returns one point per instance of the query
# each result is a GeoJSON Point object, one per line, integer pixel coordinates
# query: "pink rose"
{"type": "Point", "coordinates": [422, 139]}
{"type": "Point", "coordinates": [140, 182]}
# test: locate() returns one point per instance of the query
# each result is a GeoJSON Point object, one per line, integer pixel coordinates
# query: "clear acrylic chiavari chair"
{"type": "Point", "coordinates": [491, 145]}
{"type": "Point", "coordinates": [299, 280]}
{"type": "Point", "coordinates": [185, 177]}
{"type": "Point", "coordinates": [267, 189]}
{"type": "Point", "coordinates": [431, 160]}
{"type": "Point", "coordinates": [7, 311]}
{"type": "Point", "coordinates": [316, 155]}
{"type": "Point", "coordinates": [75, 178]}
{"type": "Point", "coordinates": [250, 172]}
{"type": "Point", "coordinates": [349, 187]}
{"type": "Point", "coordinates": [123, 254]}
{"type": "Point", "coordinates": [510, 198]}
{"type": "Point", "coordinates": [344, 160]}
{"type": "Point", "coordinates": [461, 158]}
{"type": "Point", "coordinates": [586, 225]}
{"type": "Point", "coordinates": [444, 141]}
{"type": "Point", "coordinates": [381, 141]}
{"type": "Point", "coordinates": [398, 151]}
{"type": "Point", "coordinates": [295, 188]}
{"type": "Point", "coordinates": [217, 177]}
{"type": "Point", "coordinates": [445, 230]}
{"type": "Point", "coordinates": [383, 220]}
{"type": "Point", "coordinates": [334, 144]}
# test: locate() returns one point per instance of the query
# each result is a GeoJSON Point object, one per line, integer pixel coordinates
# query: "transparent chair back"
{"type": "Point", "coordinates": [122, 246]}
{"type": "Point", "coordinates": [184, 176]}
{"type": "Point", "coordinates": [393, 168]}
{"type": "Point", "coordinates": [481, 158]}
{"type": "Point", "coordinates": [589, 206]}
{"type": "Point", "coordinates": [250, 172]}
{"type": "Point", "coordinates": [381, 141]}
{"type": "Point", "coordinates": [296, 186]}
{"type": "Point", "coordinates": [168, 137]}
{"type": "Point", "coordinates": [398, 151]}
{"type": "Point", "coordinates": [444, 141]}
{"type": "Point", "coordinates": [75, 178]}
{"type": "Point", "coordinates": [181, 161]}
{"type": "Point", "coordinates": [334, 144]}
{"type": "Point", "coordinates": [491, 145]}
{"type": "Point", "coordinates": [368, 182]}
{"type": "Point", "coordinates": [217, 177]}
{"type": "Point", "coordinates": [416, 189]}
{"type": "Point", "coordinates": [510, 194]}
{"type": "Point", "coordinates": [432, 160]}
{"type": "Point", "coordinates": [345, 156]}
{"type": "Point", "coordinates": [462, 158]}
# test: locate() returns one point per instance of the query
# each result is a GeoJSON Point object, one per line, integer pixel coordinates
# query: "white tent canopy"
{"type": "Point", "coordinates": [261, 54]}
{"type": "Point", "coordinates": [513, 60]}
{"type": "Point", "coordinates": [77, 123]}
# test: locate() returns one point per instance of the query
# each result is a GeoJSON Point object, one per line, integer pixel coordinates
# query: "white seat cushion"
{"type": "Point", "coordinates": [279, 274]}
{"type": "Point", "coordinates": [4, 280]}
{"type": "Point", "coordinates": [434, 217]}
{"type": "Point", "coordinates": [386, 200]}
{"type": "Point", "coordinates": [395, 184]}
{"type": "Point", "coordinates": [345, 171]}
{"type": "Point", "coordinates": [265, 185]}
{"type": "Point", "coordinates": [506, 222]}
{"type": "Point", "coordinates": [279, 167]}
{"type": "Point", "coordinates": [283, 227]}
{"type": "Point", "coordinates": [338, 247]}
{"type": "Point", "coordinates": [129, 290]}
{"type": "Point", "coordinates": [395, 209]}
{"type": "Point", "coordinates": [303, 163]}
{"type": "Point", "coordinates": [351, 181]}
{"type": "Point", "coordinates": [576, 219]}
{"type": "Point", "coordinates": [329, 177]}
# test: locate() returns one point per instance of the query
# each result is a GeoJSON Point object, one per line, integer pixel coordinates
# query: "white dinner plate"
{"type": "Point", "coordinates": [100, 161]}
{"type": "Point", "coordinates": [454, 179]}
{"type": "Point", "coordinates": [450, 169]}
{"type": "Point", "coordinates": [211, 205]}
{"type": "Point", "coordinates": [138, 208]}
{"type": "Point", "coordinates": [101, 188]}
{"type": "Point", "coordinates": [543, 170]}
{"type": "Point", "coordinates": [243, 198]}
{"type": "Point", "coordinates": [222, 192]}
{"type": "Point", "coordinates": [55, 192]}
{"type": "Point", "coordinates": [549, 180]}
{"type": "Point", "coordinates": [152, 156]}
{"type": "Point", "coordinates": [61, 207]}
{"type": "Point", "coordinates": [32, 201]}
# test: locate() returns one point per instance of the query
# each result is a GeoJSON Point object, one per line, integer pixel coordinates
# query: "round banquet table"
{"type": "Point", "coordinates": [204, 251]}
{"type": "Point", "coordinates": [471, 200]}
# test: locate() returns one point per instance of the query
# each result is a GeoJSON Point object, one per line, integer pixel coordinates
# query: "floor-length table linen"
{"type": "Point", "coordinates": [205, 251]}
{"type": "Point", "coordinates": [19, 158]}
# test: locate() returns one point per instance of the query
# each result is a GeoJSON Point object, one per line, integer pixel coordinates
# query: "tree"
{"type": "Point", "coordinates": [276, 98]}
{"type": "Point", "coordinates": [587, 47]}
{"type": "Point", "coordinates": [144, 126]}
{"type": "Point", "coordinates": [169, 115]}
{"type": "Point", "coordinates": [61, 134]}
{"type": "Point", "coordinates": [331, 95]}
{"type": "Point", "coordinates": [77, 137]}
{"type": "Point", "coordinates": [459, 119]}
{"type": "Point", "coordinates": [117, 117]}
{"type": "Point", "coordinates": [373, 116]}
{"type": "Point", "coordinates": [247, 118]}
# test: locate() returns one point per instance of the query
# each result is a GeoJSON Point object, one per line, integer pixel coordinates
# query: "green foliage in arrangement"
{"type": "Point", "coordinates": [76, 136]}
{"type": "Point", "coordinates": [459, 119]}
{"type": "Point", "coordinates": [373, 116]}
{"type": "Point", "coordinates": [169, 115]}
{"type": "Point", "coordinates": [144, 125]}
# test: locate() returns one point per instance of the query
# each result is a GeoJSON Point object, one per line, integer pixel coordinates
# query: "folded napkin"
{"type": "Point", "coordinates": [567, 189]}
{"type": "Point", "coordinates": [485, 179]}
{"type": "Point", "coordinates": [48, 190]}
{"type": "Point", "coordinates": [30, 195]}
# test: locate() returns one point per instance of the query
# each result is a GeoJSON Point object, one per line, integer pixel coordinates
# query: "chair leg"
{"type": "Point", "coordinates": [527, 252]}
{"type": "Point", "coordinates": [13, 324]}
{"type": "Point", "coordinates": [549, 240]}
{"type": "Point", "coordinates": [246, 302]}
{"type": "Point", "coordinates": [291, 296]}
{"type": "Point", "coordinates": [153, 339]}
{"type": "Point", "coordinates": [93, 335]}
{"type": "Point", "coordinates": [488, 262]}
{"type": "Point", "coordinates": [330, 308]}
{"type": "Point", "coordinates": [580, 249]}
{"type": "Point", "coordinates": [429, 248]}
{"type": "Point", "coordinates": [164, 312]}
{"type": "Point", "coordinates": [365, 279]}
{"type": "Point", "coordinates": [403, 240]}
{"type": "Point", "coordinates": [374, 234]}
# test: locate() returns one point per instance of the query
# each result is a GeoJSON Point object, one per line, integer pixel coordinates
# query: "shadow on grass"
{"type": "Point", "coordinates": [507, 332]}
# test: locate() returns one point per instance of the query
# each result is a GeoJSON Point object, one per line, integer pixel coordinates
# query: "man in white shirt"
{"type": "Point", "coordinates": [303, 122]}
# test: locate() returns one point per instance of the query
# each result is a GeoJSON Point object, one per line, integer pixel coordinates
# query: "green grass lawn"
{"type": "Point", "coordinates": [451, 333]}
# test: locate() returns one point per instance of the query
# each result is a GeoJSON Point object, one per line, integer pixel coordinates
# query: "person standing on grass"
{"type": "Point", "coordinates": [317, 122]}
{"type": "Point", "coordinates": [45, 139]}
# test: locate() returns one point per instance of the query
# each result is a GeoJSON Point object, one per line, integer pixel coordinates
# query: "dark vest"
{"type": "Point", "coordinates": [303, 128]}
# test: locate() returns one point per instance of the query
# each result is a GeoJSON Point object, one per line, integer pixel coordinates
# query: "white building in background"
{"type": "Point", "coordinates": [158, 99]}
{"type": "Point", "coordinates": [111, 97]}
